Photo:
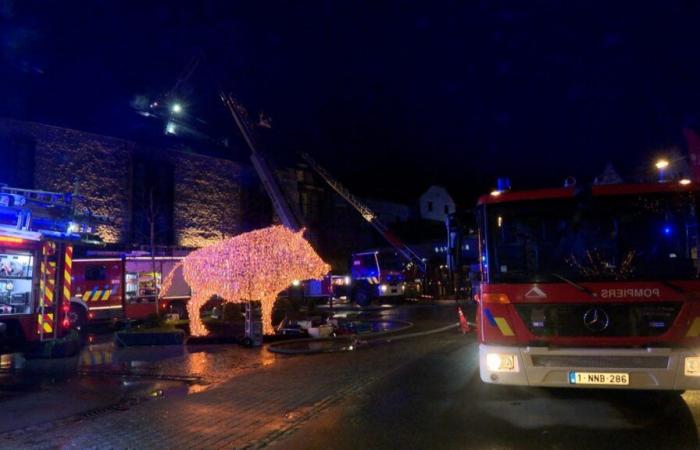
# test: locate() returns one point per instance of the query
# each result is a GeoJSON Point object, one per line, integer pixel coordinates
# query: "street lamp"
{"type": "Point", "coordinates": [661, 165]}
{"type": "Point", "coordinates": [176, 108]}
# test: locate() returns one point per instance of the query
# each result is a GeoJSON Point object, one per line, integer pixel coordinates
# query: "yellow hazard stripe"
{"type": "Point", "coordinates": [67, 270]}
{"type": "Point", "coordinates": [106, 295]}
{"type": "Point", "coordinates": [503, 326]}
{"type": "Point", "coordinates": [46, 323]}
{"type": "Point", "coordinates": [50, 283]}
{"type": "Point", "coordinates": [694, 330]}
{"type": "Point", "coordinates": [42, 285]}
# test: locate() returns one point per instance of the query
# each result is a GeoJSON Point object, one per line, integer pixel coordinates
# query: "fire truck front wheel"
{"type": "Point", "coordinates": [77, 317]}
{"type": "Point", "coordinates": [362, 294]}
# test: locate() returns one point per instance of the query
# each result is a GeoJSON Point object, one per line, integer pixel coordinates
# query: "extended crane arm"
{"type": "Point", "coordinates": [404, 250]}
{"type": "Point", "coordinates": [279, 202]}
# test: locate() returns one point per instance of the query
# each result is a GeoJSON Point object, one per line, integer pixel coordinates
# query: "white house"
{"type": "Point", "coordinates": [436, 203]}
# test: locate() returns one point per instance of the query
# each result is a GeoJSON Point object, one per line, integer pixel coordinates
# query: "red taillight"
{"type": "Point", "coordinates": [66, 323]}
{"type": "Point", "coordinates": [66, 308]}
{"type": "Point", "coordinates": [91, 315]}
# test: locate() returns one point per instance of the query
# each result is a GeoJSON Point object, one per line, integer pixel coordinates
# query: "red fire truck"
{"type": "Point", "coordinates": [591, 287]}
{"type": "Point", "coordinates": [125, 287]}
{"type": "Point", "coordinates": [37, 232]}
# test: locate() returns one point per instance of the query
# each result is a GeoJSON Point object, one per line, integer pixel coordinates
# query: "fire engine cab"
{"type": "Point", "coordinates": [38, 230]}
{"type": "Point", "coordinates": [377, 275]}
{"type": "Point", "coordinates": [591, 286]}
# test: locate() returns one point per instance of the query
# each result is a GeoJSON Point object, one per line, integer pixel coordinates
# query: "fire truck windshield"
{"type": "Point", "coordinates": [631, 237]}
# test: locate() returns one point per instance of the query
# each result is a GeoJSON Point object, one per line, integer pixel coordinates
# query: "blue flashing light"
{"type": "Point", "coordinates": [503, 184]}
{"type": "Point", "coordinates": [667, 230]}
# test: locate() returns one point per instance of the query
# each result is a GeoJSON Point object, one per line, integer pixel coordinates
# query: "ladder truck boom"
{"type": "Point", "coordinates": [279, 202]}
{"type": "Point", "coordinates": [404, 250]}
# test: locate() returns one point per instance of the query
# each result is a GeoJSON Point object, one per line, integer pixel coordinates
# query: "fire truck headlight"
{"type": "Point", "coordinates": [692, 366]}
{"type": "Point", "coordinates": [501, 362]}
{"type": "Point", "coordinates": [73, 227]}
{"type": "Point", "coordinates": [383, 288]}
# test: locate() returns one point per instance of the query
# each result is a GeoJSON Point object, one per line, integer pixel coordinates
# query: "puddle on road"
{"type": "Point", "coordinates": [192, 369]}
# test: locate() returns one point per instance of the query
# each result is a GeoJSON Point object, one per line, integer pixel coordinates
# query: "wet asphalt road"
{"type": "Point", "coordinates": [435, 401]}
{"type": "Point", "coordinates": [439, 402]}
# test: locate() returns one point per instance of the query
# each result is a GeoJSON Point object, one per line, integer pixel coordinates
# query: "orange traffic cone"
{"type": "Point", "coordinates": [463, 324]}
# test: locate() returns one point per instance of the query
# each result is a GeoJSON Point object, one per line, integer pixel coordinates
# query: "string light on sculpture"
{"type": "Point", "coordinates": [251, 266]}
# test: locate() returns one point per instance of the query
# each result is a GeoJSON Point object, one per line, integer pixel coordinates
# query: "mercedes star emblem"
{"type": "Point", "coordinates": [596, 319]}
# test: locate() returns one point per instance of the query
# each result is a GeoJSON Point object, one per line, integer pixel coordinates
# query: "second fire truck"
{"type": "Point", "coordinates": [125, 287]}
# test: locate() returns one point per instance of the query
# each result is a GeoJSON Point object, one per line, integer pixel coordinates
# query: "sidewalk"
{"type": "Point", "coordinates": [250, 410]}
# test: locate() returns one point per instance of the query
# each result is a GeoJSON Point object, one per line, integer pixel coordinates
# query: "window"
{"type": "Point", "coordinates": [142, 287]}
{"type": "Point", "coordinates": [96, 273]}
{"type": "Point", "coordinates": [640, 237]}
{"type": "Point", "coordinates": [16, 283]}
{"type": "Point", "coordinates": [430, 206]}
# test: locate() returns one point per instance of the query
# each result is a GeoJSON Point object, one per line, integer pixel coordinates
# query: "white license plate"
{"type": "Point", "coordinates": [603, 378]}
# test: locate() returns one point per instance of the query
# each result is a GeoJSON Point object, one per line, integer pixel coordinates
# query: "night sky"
{"type": "Point", "coordinates": [390, 96]}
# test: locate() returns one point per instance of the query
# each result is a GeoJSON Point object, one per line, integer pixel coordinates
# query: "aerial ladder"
{"type": "Point", "coordinates": [402, 249]}
{"type": "Point", "coordinates": [282, 207]}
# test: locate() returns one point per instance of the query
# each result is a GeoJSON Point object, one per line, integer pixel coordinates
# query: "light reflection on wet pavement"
{"type": "Point", "coordinates": [105, 376]}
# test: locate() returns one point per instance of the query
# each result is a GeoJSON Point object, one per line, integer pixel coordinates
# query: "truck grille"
{"type": "Point", "coordinates": [623, 319]}
{"type": "Point", "coordinates": [603, 362]}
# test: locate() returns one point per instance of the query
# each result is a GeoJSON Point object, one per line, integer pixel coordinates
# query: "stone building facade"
{"type": "Point", "coordinates": [193, 199]}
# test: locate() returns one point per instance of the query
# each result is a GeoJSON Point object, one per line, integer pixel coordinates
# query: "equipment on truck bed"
{"type": "Point", "coordinates": [52, 214]}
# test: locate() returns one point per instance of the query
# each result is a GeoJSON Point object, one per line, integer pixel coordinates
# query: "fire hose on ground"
{"type": "Point", "coordinates": [348, 343]}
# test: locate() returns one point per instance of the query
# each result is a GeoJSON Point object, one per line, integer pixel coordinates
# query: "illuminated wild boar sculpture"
{"type": "Point", "coordinates": [251, 266]}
